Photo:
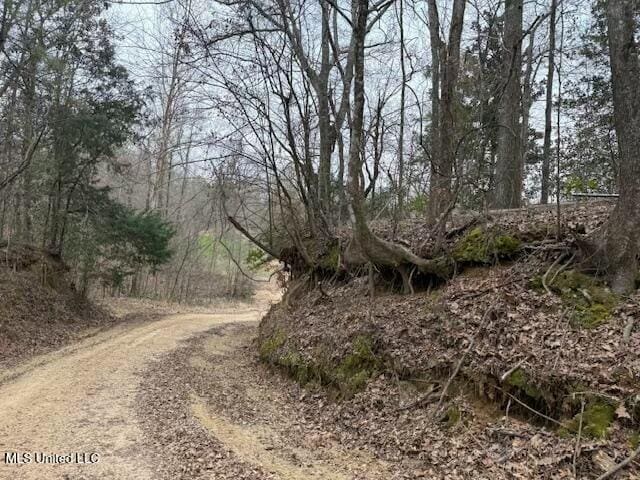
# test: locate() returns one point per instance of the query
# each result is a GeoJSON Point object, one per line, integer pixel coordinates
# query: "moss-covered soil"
{"type": "Point", "coordinates": [536, 356]}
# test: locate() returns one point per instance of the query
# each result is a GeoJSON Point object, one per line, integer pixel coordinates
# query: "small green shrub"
{"type": "Point", "coordinates": [255, 258]}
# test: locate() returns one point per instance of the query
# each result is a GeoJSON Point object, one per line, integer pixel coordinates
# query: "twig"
{"type": "Point", "coordinates": [626, 334]}
{"type": "Point", "coordinates": [576, 452]}
{"type": "Point", "coordinates": [564, 337]}
{"type": "Point", "coordinates": [621, 465]}
{"type": "Point", "coordinates": [483, 322]}
{"type": "Point", "coordinates": [608, 396]}
{"type": "Point", "coordinates": [484, 291]}
{"type": "Point", "coordinates": [565, 265]}
{"type": "Point", "coordinates": [506, 374]}
{"type": "Point", "coordinates": [533, 410]}
{"type": "Point", "coordinates": [430, 395]}
{"type": "Point", "coordinates": [544, 277]}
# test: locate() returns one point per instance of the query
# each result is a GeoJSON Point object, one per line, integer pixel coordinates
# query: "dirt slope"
{"type": "Point", "coordinates": [39, 308]}
{"type": "Point", "coordinates": [520, 366]}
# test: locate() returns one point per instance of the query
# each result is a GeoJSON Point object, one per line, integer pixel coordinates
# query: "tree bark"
{"type": "Point", "coordinates": [399, 211]}
{"type": "Point", "coordinates": [527, 99]}
{"type": "Point", "coordinates": [623, 228]}
{"type": "Point", "coordinates": [443, 159]}
{"type": "Point", "coordinates": [509, 162]}
{"type": "Point", "coordinates": [434, 132]}
{"type": "Point", "coordinates": [546, 149]}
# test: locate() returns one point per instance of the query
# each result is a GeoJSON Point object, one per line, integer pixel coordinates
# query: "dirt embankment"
{"type": "Point", "coordinates": [39, 308]}
{"type": "Point", "coordinates": [518, 367]}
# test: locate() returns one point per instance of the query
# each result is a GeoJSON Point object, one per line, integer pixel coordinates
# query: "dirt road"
{"type": "Point", "coordinates": [81, 400]}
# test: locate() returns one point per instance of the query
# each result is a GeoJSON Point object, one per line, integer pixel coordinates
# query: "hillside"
{"type": "Point", "coordinates": [39, 307]}
{"type": "Point", "coordinates": [520, 366]}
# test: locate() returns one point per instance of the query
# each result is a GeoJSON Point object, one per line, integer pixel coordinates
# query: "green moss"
{"type": "Point", "coordinates": [478, 246]}
{"type": "Point", "coordinates": [452, 416]}
{"type": "Point", "coordinates": [592, 316]}
{"type": "Point", "coordinates": [572, 280]}
{"type": "Point", "coordinates": [535, 283]}
{"type": "Point", "coordinates": [505, 245]}
{"type": "Point", "coordinates": [634, 440]}
{"type": "Point", "coordinates": [331, 259]}
{"type": "Point", "coordinates": [355, 369]}
{"type": "Point", "coordinates": [348, 376]}
{"type": "Point", "coordinates": [472, 247]}
{"type": "Point", "coordinates": [270, 345]}
{"type": "Point", "coordinates": [519, 380]}
{"type": "Point", "coordinates": [598, 416]}
{"type": "Point", "coordinates": [591, 302]}
{"type": "Point", "coordinates": [597, 419]}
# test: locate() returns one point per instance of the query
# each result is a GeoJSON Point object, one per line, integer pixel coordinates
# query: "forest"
{"type": "Point", "coordinates": [229, 130]}
{"type": "Point", "coordinates": [391, 239]}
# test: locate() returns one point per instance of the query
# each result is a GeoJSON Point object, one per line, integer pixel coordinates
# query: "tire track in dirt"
{"type": "Point", "coordinates": [231, 421]}
{"type": "Point", "coordinates": [82, 399]}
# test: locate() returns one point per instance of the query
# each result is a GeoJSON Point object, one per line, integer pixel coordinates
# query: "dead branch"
{"type": "Point", "coordinates": [546, 274]}
{"type": "Point", "coordinates": [484, 291]}
{"type": "Point", "coordinates": [485, 318]}
{"type": "Point", "coordinates": [251, 238]}
{"type": "Point", "coordinates": [531, 409]}
{"type": "Point", "coordinates": [628, 328]}
{"type": "Point", "coordinates": [576, 452]}
{"type": "Point", "coordinates": [233, 259]}
{"type": "Point", "coordinates": [506, 374]}
{"type": "Point", "coordinates": [621, 465]}
{"type": "Point", "coordinates": [428, 397]}
{"type": "Point", "coordinates": [562, 268]}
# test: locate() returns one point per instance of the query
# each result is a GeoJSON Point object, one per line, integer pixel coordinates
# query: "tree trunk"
{"type": "Point", "coordinates": [440, 194]}
{"type": "Point", "coordinates": [623, 229]}
{"type": "Point", "coordinates": [546, 150]}
{"type": "Point", "coordinates": [373, 248]}
{"type": "Point", "coordinates": [527, 99]}
{"type": "Point", "coordinates": [434, 132]}
{"type": "Point", "coordinates": [399, 211]}
{"type": "Point", "coordinates": [509, 164]}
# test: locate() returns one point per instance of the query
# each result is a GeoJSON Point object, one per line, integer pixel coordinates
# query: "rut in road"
{"type": "Point", "coordinates": [232, 418]}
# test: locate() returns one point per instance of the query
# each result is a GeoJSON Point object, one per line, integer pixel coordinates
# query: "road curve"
{"type": "Point", "coordinates": [81, 399]}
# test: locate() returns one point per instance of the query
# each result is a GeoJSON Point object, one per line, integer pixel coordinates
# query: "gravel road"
{"type": "Point", "coordinates": [81, 400]}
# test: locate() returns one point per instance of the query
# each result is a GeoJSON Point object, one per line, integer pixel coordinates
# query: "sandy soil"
{"type": "Point", "coordinates": [82, 398]}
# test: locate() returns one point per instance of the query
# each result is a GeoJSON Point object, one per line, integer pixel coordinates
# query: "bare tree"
{"type": "Point", "coordinates": [548, 109]}
{"type": "Point", "coordinates": [447, 59]}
